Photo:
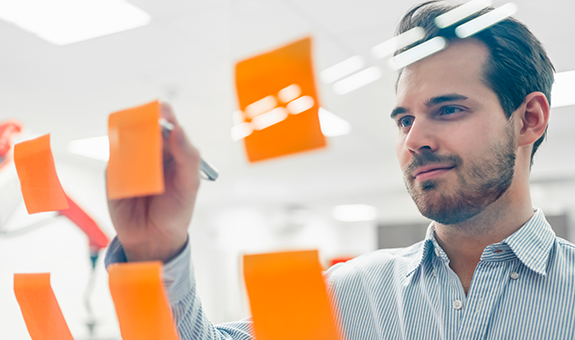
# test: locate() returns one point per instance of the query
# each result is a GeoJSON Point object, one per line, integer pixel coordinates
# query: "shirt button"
{"type": "Point", "coordinates": [514, 276]}
{"type": "Point", "coordinates": [457, 304]}
{"type": "Point", "coordinates": [437, 252]}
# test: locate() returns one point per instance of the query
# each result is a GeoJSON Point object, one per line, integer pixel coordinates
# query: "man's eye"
{"type": "Point", "coordinates": [405, 121]}
{"type": "Point", "coordinates": [447, 110]}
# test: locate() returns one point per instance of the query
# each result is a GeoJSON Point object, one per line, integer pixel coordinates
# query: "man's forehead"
{"type": "Point", "coordinates": [459, 65]}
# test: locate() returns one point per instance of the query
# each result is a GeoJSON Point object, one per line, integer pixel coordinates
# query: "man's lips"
{"type": "Point", "coordinates": [429, 171]}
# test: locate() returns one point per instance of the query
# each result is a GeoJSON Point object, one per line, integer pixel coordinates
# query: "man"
{"type": "Point", "coordinates": [470, 119]}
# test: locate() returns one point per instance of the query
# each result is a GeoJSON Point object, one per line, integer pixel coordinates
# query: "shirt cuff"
{"type": "Point", "coordinates": [177, 273]}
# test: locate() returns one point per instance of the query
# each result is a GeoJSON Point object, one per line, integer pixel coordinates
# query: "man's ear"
{"type": "Point", "coordinates": [532, 116]}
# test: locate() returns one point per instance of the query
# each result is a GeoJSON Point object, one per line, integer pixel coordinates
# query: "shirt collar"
{"type": "Point", "coordinates": [427, 247]}
{"type": "Point", "coordinates": [531, 244]}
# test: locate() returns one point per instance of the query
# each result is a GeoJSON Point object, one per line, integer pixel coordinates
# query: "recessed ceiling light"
{"type": "Point", "coordinates": [63, 22]}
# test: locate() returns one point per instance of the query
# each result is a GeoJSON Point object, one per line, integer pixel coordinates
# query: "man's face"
{"type": "Point", "coordinates": [455, 146]}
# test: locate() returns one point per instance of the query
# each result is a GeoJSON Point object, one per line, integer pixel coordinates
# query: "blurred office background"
{"type": "Point", "coordinates": [185, 55]}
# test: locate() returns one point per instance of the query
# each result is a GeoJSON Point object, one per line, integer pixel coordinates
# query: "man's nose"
{"type": "Point", "coordinates": [421, 136]}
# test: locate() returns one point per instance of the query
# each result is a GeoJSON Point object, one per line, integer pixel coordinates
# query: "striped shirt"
{"type": "Point", "coordinates": [523, 288]}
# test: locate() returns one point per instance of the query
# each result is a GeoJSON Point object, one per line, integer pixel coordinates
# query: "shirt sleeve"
{"type": "Point", "coordinates": [180, 284]}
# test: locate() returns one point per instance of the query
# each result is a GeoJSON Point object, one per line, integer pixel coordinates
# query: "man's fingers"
{"type": "Point", "coordinates": [186, 158]}
{"type": "Point", "coordinates": [178, 147]}
{"type": "Point", "coordinates": [182, 149]}
{"type": "Point", "coordinates": [168, 113]}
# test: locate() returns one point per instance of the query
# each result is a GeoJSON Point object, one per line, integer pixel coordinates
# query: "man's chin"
{"type": "Point", "coordinates": [440, 207]}
{"type": "Point", "coordinates": [449, 217]}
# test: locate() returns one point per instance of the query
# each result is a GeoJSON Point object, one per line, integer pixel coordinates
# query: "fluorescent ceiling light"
{"type": "Point", "coordinates": [341, 69]}
{"type": "Point", "coordinates": [63, 22]}
{"type": "Point", "coordinates": [332, 125]}
{"type": "Point", "coordinates": [357, 80]}
{"type": "Point", "coordinates": [300, 105]}
{"type": "Point", "coordinates": [461, 12]}
{"type": "Point", "coordinates": [261, 106]}
{"type": "Point", "coordinates": [354, 213]}
{"type": "Point", "coordinates": [241, 131]}
{"type": "Point", "coordinates": [563, 92]}
{"type": "Point", "coordinates": [488, 19]}
{"type": "Point", "coordinates": [238, 117]}
{"type": "Point", "coordinates": [401, 41]}
{"type": "Point", "coordinates": [289, 93]}
{"type": "Point", "coordinates": [418, 52]}
{"type": "Point", "coordinates": [269, 118]}
{"type": "Point", "coordinates": [96, 148]}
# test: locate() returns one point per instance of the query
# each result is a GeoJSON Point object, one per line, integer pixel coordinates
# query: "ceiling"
{"type": "Point", "coordinates": [186, 56]}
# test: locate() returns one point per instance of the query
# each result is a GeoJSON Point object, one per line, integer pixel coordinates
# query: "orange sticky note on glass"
{"type": "Point", "coordinates": [135, 165]}
{"type": "Point", "coordinates": [40, 309]}
{"type": "Point", "coordinates": [39, 182]}
{"type": "Point", "coordinates": [288, 298]}
{"type": "Point", "coordinates": [278, 103]}
{"type": "Point", "coordinates": [141, 302]}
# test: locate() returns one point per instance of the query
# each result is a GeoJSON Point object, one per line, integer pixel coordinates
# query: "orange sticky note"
{"type": "Point", "coordinates": [278, 103]}
{"type": "Point", "coordinates": [141, 302]}
{"type": "Point", "coordinates": [288, 297]}
{"type": "Point", "coordinates": [39, 307]}
{"type": "Point", "coordinates": [135, 165]}
{"type": "Point", "coordinates": [39, 182]}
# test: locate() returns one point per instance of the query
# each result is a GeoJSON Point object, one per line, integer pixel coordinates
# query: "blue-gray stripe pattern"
{"type": "Point", "coordinates": [523, 288]}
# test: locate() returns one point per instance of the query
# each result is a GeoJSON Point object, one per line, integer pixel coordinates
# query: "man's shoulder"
{"type": "Point", "coordinates": [566, 245]}
{"type": "Point", "coordinates": [378, 263]}
{"type": "Point", "coordinates": [566, 249]}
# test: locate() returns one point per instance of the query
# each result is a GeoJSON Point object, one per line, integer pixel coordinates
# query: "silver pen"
{"type": "Point", "coordinates": [206, 170]}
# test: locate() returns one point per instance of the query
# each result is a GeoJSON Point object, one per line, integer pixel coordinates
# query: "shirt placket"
{"type": "Point", "coordinates": [489, 280]}
{"type": "Point", "coordinates": [453, 296]}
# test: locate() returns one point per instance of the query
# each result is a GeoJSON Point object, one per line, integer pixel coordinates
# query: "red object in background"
{"type": "Point", "coordinates": [98, 239]}
{"type": "Point", "coordinates": [339, 260]}
{"type": "Point", "coordinates": [8, 129]}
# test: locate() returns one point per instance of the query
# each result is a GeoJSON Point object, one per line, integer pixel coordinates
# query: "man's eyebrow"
{"type": "Point", "coordinates": [430, 102]}
{"type": "Point", "coordinates": [445, 98]}
{"type": "Point", "coordinates": [397, 111]}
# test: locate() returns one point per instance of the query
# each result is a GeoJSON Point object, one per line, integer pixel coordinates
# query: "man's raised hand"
{"type": "Point", "coordinates": [155, 228]}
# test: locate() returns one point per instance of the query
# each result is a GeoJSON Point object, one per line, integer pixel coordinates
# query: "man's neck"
{"type": "Point", "coordinates": [464, 243]}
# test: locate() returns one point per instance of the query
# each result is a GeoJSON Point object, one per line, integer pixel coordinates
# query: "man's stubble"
{"type": "Point", "coordinates": [479, 183]}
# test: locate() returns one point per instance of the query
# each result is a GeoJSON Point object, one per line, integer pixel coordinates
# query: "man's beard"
{"type": "Point", "coordinates": [479, 184]}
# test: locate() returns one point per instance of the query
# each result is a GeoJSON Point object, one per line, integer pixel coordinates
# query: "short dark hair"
{"type": "Point", "coordinates": [517, 64]}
